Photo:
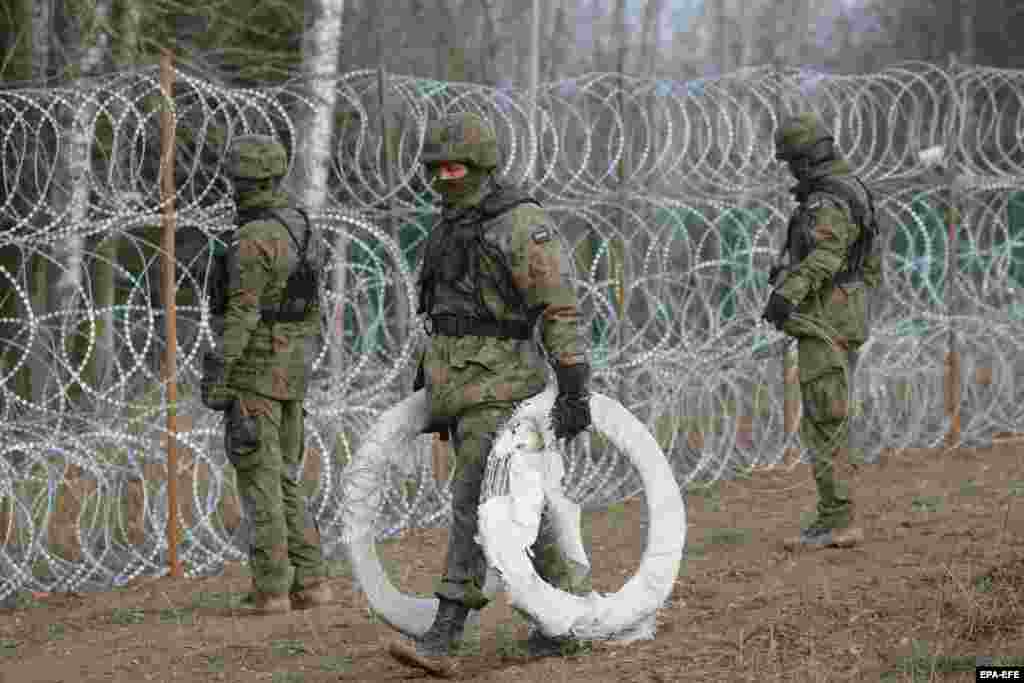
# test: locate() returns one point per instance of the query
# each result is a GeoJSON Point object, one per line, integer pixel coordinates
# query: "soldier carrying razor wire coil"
{"type": "Point", "coordinates": [494, 266]}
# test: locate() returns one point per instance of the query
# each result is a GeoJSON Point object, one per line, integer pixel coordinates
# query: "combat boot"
{"type": "Point", "coordinates": [434, 650]}
{"type": "Point", "coordinates": [539, 645]}
{"type": "Point", "coordinates": [819, 536]}
{"type": "Point", "coordinates": [258, 603]}
{"type": "Point", "coordinates": [314, 594]}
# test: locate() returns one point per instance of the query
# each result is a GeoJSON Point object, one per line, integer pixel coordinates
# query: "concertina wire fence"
{"type": "Point", "coordinates": [667, 192]}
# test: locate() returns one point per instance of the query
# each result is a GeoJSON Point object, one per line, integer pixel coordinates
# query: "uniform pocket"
{"type": "Point", "coordinates": [241, 435]}
{"type": "Point", "coordinates": [826, 398]}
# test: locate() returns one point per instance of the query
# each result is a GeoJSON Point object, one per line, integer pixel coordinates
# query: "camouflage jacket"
{"type": "Point", "coordinates": [520, 270]}
{"type": "Point", "coordinates": [273, 360]}
{"type": "Point", "coordinates": [836, 310]}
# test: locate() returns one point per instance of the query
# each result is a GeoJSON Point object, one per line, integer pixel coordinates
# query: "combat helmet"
{"type": "Point", "coordinates": [801, 137]}
{"type": "Point", "coordinates": [256, 157]}
{"type": "Point", "coordinates": [464, 138]}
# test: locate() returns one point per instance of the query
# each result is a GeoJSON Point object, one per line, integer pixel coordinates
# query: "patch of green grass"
{"type": "Point", "coordinates": [339, 568]}
{"type": "Point", "coordinates": [288, 648]}
{"type": "Point", "coordinates": [921, 665]}
{"type": "Point", "coordinates": [745, 473]}
{"type": "Point", "coordinates": [215, 663]}
{"type": "Point", "coordinates": [470, 645]}
{"type": "Point", "coordinates": [616, 514]}
{"type": "Point", "coordinates": [726, 536]}
{"type": "Point", "coordinates": [807, 518]}
{"type": "Point", "coordinates": [1017, 488]}
{"type": "Point", "coordinates": [26, 601]}
{"type": "Point", "coordinates": [983, 584]}
{"type": "Point", "coordinates": [214, 600]}
{"type": "Point", "coordinates": [694, 550]}
{"type": "Point", "coordinates": [577, 648]}
{"type": "Point", "coordinates": [969, 488]}
{"type": "Point", "coordinates": [926, 503]}
{"type": "Point", "coordinates": [392, 569]}
{"type": "Point", "coordinates": [177, 615]}
{"type": "Point", "coordinates": [8, 647]}
{"type": "Point", "coordinates": [336, 663]}
{"type": "Point", "coordinates": [287, 677]}
{"type": "Point", "coordinates": [507, 645]}
{"type": "Point", "coordinates": [858, 457]}
{"type": "Point", "coordinates": [126, 616]}
{"type": "Point", "coordinates": [1009, 661]}
{"type": "Point", "coordinates": [708, 492]}
{"type": "Point", "coordinates": [55, 631]}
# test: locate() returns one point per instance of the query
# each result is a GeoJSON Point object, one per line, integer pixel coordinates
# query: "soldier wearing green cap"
{"type": "Point", "coordinates": [494, 267]}
{"type": "Point", "coordinates": [271, 320]}
{"type": "Point", "coordinates": [828, 261]}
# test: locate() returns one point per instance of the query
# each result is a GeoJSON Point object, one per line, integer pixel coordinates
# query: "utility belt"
{"type": "Point", "coordinates": [451, 325]}
{"type": "Point", "coordinates": [272, 315]}
{"type": "Point", "coordinates": [848, 277]}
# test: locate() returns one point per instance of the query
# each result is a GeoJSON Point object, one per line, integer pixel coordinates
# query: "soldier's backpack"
{"type": "Point", "coordinates": [303, 284]}
{"type": "Point", "coordinates": [855, 195]}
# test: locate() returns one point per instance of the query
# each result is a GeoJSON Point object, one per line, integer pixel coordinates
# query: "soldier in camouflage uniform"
{"type": "Point", "coordinates": [831, 263]}
{"type": "Point", "coordinates": [494, 265]}
{"type": "Point", "coordinates": [266, 348]}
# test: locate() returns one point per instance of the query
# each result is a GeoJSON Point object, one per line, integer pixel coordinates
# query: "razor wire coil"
{"type": "Point", "coordinates": [666, 192]}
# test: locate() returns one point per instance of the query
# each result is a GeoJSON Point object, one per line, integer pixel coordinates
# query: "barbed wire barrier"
{"type": "Point", "coordinates": [666, 192]}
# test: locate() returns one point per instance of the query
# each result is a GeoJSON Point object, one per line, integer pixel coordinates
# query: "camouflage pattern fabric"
{"type": "Point", "coordinates": [797, 135]}
{"type": "Point", "coordinates": [830, 329]}
{"type": "Point", "coordinates": [462, 372]}
{"type": "Point", "coordinates": [464, 138]}
{"type": "Point", "coordinates": [256, 157]}
{"type": "Point", "coordinates": [285, 551]}
{"type": "Point", "coordinates": [477, 381]}
{"type": "Point", "coordinates": [466, 565]}
{"type": "Point", "coordinates": [271, 360]}
{"type": "Point", "coordinates": [267, 368]}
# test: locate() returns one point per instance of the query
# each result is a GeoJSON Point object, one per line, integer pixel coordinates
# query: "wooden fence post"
{"type": "Point", "coordinates": [167, 192]}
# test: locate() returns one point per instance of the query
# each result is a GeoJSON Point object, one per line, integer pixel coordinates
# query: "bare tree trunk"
{"type": "Point", "coordinates": [649, 47]}
{"type": "Point", "coordinates": [321, 43]}
{"type": "Point", "coordinates": [968, 22]}
{"type": "Point", "coordinates": [491, 47]}
{"type": "Point", "coordinates": [77, 158]}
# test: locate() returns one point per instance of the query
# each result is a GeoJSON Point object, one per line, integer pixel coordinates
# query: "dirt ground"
{"type": "Point", "coordinates": [938, 582]}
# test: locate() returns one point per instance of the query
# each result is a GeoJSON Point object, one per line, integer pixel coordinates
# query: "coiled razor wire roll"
{"type": "Point", "coordinates": [524, 471]}
{"type": "Point", "coordinates": [666, 192]}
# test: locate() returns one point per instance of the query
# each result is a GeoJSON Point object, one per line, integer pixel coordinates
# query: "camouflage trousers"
{"type": "Point", "coordinates": [465, 564]}
{"type": "Point", "coordinates": [264, 440]}
{"type": "Point", "coordinates": [825, 427]}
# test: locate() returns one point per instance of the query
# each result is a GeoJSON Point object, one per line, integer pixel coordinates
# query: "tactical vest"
{"type": "Point", "coordinates": [800, 241]}
{"type": "Point", "coordinates": [301, 289]}
{"type": "Point", "coordinates": [456, 247]}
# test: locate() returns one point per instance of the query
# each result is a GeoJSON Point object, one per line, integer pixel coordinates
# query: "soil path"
{"type": "Point", "coordinates": [938, 582]}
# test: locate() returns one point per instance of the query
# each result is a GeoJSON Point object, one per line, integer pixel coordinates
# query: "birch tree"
{"type": "Point", "coordinates": [92, 33]}
{"type": "Point", "coordinates": [321, 41]}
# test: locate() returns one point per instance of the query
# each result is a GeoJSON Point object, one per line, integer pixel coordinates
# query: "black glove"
{"type": "Point", "coordinates": [778, 310]}
{"type": "Point", "coordinates": [421, 379]}
{"type": "Point", "coordinates": [570, 414]}
{"type": "Point", "coordinates": [213, 388]}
